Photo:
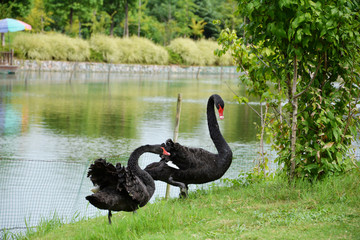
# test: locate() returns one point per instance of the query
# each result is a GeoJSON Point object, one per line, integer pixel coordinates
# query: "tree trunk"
{"type": "Point", "coordinates": [244, 28]}
{"type": "Point", "coordinates": [294, 103]}
{"type": "Point", "coordinates": [168, 23]}
{"type": "Point", "coordinates": [280, 106]}
{"type": "Point", "coordinates": [139, 23]}
{"type": "Point", "coordinates": [71, 17]}
{"type": "Point", "coordinates": [263, 125]}
{"type": "Point", "coordinates": [112, 27]}
{"type": "Point", "coordinates": [126, 27]}
{"type": "Point", "coordinates": [42, 24]}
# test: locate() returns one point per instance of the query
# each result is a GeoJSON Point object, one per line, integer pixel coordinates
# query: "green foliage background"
{"type": "Point", "coordinates": [302, 59]}
{"type": "Point", "coordinates": [159, 21]}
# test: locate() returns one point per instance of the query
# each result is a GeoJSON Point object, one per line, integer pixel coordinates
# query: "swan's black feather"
{"type": "Point", "coordinates": [196, 165]}
{"type": "Point", "coordinates": [122, 188]}
{"type": "Point", "coordinates": [102, 173]}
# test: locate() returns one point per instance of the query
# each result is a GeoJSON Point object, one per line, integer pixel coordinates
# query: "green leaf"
{"type": "Point", "coordinates": [297, 21]}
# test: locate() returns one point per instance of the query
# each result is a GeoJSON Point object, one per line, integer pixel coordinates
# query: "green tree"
{"type": "Point", "coordinates": [127, 4]}
{"type": "Point", "coordinates": [69, 15]}
{"type": "Point", "coordinates": [113, 9]}
{"type": "Point", "coordinates": [302, 57]}
{"type": "Point", "coordinates": [17, 9]}
{"type": "Point", "coordinates": [209, 10]}
{"type": "Point", "coordinates": [197, 28]}
{"type": "Point", "coordinates": [229, 15]}
{"type": "Point", "coordinates": [174, 15]}
{"type": "Point", "coordinates": [38, 18]}
{"type": "Point", "coordinates": [99, 22]}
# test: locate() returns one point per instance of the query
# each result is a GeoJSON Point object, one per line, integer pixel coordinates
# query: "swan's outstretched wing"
{"type": "Point", "coordinates": [102, 173]}
{"type": "Point", "coordinates": [133, 185]}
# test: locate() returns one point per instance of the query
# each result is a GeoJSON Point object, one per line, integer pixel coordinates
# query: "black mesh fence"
{"type": "Point", "coordinates": [33, 189]}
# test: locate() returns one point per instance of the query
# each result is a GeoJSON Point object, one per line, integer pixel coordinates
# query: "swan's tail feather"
{"type": "Point", "coordinates": [96, 201]}
{"type": "Point", "coordinates": [134, 186]}
{"type": "Point", "coordinates": [121, 176]}
{"type": "Point", "coordinates": [102, 173]}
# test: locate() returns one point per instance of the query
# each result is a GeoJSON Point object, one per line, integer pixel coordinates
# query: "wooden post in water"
{"type": "Point", "coordinates": [176, 132]}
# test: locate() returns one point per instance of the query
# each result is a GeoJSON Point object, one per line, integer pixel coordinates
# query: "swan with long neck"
{"type": "Point", "coordinates": [195, 165]}
{"type": "Point", "coordinates": [122, 188]}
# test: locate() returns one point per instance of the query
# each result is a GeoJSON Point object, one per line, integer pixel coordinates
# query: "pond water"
{"type": "Point", "coordinates": [53, 125]}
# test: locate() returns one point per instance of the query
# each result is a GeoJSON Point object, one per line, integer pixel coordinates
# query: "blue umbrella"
{"type": "Point", "coordinates": [13, 25]}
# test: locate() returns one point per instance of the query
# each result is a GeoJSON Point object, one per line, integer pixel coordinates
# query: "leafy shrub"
{"type": "Point", "coordinates": [52, 46]}
{"type": "Point", "coordinates": [79, 50]}
{"type": "Point", "coordinates": [225, 60]}
{"type": "Point", "coordinates": [188, 50]}
{"type": "Point", "coordinates": [133, 50]}
{"type": "Point", "coordinates": [174, 58]}
{"type": "Point", "coordinates": [106, 46]}
{"type": "Point", "coordinates": [200, 52]}
{"type": "Point", "coordinates": [96, 56]}
{"type": "Point", "coordinates": [208, 47]}
{"type": "Point", "coordinates": [128, 50]}
{"type": "Point", "coordinates": [32, 46]}
{"type": "Point", "coordinates": [142, 51]}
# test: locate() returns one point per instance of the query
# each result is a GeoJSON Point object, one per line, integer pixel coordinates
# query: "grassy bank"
{"type": "Point", "coordinates": [268, 210]}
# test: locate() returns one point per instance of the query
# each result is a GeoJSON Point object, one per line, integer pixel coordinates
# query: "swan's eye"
{"type": "Point", "coordinates": [221, 112]}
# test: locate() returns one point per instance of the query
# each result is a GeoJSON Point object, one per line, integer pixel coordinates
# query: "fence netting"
{"type": "Point", "coordinates": [33, 190]}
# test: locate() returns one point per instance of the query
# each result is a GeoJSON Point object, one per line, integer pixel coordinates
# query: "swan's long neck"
{"type": "Point", "coordinates": [133, 164]}
{"type": "Point", "coordinates": [215, 134]}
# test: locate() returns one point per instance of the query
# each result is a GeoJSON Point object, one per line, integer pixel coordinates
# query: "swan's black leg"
{"type": "Point", "coordinates": [109, 216]}
{"type": "Point", "coordinates": [175, 183]}
{"type": "Point", "coordinates": [183, 187]}
{"type": "Point", "coordinates": [184, 191]}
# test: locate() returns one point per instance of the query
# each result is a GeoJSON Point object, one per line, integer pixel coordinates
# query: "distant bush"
{"type": "Point", "coordinates": [188, 51]}
{"type": "Point", "coordinates": [32, 46]}
{"type": "Point", "coordinates": [196, 52]}
{"type": "Point", "coordinates": [52, 46]}
{"type": "Point", "coordinates": [103, 48]}
{"type": "Point", "coordinates": [141, 50]}
{"type": "Point", "coordinates": [175, 58]}
{"type": "Point", "coordinates": [207, 48]}
{"type": "Point", "coordinates": [128, 50]}
{"type": "Point", "coordinates": [106, 46]}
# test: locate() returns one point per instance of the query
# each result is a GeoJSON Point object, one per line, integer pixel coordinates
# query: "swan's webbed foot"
{"type": "Point", "coordinates": [109, 216]}
{"type": "Point", "coordinates": [183, 187]}
{"type": "Point", "coordinates": [183, 192]}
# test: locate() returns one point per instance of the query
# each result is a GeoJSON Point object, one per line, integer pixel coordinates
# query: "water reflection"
{"type": "Point", "coordinates": [53, 125]}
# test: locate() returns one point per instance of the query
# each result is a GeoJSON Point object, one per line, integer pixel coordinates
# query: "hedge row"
{"type": "Point", "coordinates": [133, 50]}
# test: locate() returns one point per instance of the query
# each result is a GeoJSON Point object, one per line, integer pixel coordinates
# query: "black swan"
{"type": "Point", "coordinates": [195, 165]}
{"type": "Point", "coordinates": [122, 188]}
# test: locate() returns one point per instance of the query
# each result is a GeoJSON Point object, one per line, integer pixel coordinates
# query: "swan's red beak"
{"type": "Point", "coordinates": [166, 153]}
{"type": "Point", "coordinates": [221, 112]}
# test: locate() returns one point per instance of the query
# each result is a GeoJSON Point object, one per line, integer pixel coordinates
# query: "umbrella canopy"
{"type": "Point", "coordinates": [13, 25]}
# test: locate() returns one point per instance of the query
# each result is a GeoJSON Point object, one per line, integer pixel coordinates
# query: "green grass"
{"type": "Point", "coordinates": [274, 209]}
